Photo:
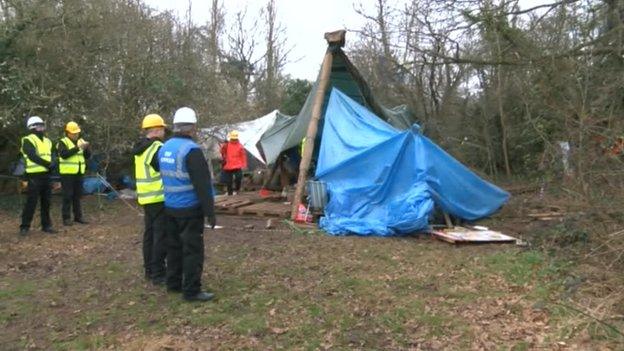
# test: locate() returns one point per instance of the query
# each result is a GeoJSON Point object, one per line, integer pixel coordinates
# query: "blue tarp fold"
{"type": "Point", "coordinates": [93, 185]}
{"type": "Point", "coordinates": [382, 181]}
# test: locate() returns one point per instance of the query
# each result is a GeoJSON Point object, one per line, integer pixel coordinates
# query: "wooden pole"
{"type": "Point", "coordinates": [447, 219]}
{"type": "Point", "coordinates": [265, 184]}
{"type": "Point", "coordinates": [308, 148]}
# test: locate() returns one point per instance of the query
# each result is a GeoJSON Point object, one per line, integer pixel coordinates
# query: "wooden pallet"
{"type": "Point", "coordinates": [266, 209]}
{"type": "Point", "coordinates": [230, 205]}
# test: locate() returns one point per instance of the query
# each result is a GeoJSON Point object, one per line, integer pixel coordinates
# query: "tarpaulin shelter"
{"type": "Point", "coordinates": [249, 133]}
{"type": "Point", "coordinates": [406, 176]}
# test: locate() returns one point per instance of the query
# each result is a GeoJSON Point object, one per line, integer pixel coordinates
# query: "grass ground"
{"type": "Point", "coordinates": [282, 289]}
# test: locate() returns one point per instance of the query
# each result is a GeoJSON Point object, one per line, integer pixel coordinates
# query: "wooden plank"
{"type": "Point", "coordinates": [232, 202]}
{"type": "Point", "coordinates": [266, 209]}
{"type": "Point", "coordinates": [466, 236]}
{"type": "Point", "coordinates": [442, 236]}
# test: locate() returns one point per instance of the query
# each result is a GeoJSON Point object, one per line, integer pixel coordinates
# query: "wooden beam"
{"type": "Point", "coordinates": [336, 38]}
{"type": "Point", "coordinates": [308, 148]}
{"type": "Point", "coordinates": [265, 184]}
{"type": "Point", "coordinates": [447, 219]}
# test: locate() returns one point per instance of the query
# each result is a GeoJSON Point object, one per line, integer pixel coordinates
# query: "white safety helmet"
{"type": "Point", "coordinates": [33, 121]}
{"type": "Point", "coordinates": [185, 115]}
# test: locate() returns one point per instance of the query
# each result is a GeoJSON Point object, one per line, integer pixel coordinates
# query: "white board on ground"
{"type": "Point", "coordinates": [466, 235]}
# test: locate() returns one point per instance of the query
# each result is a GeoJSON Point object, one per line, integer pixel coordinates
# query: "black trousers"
{"type": "Point", "coordinates": [72, 193]}
{"type": "Point", "coordinates": [154, 248]}
{"type": "Point", "coordinates": [233, 179]}
{"type": "Point", "coordinates": [185, 254]}
{"type": "Point", "coordinates": [38, 188]}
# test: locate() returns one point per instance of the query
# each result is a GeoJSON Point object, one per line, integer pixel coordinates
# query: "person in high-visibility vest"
{"type": "Point", "coordinates": [73, 153]}
{"type": "Point", "coordinates": [189, 202]}
{"type": "Point", "coordinates": [37, 152]}
{"type": "Point", "coordinates": [151, 196]}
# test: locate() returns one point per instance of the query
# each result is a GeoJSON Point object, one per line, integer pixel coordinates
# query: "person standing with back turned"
{"type": "Point", "coordinates": [235, 160]}
{"type": "Point", "coordinates": [188, 200]}
{"type": "Point", "coordinates": [37, 152]}
{"type": "Point", "coordinates": [151, 196]}
{"type": "Point", "coordinates": [73, 152]}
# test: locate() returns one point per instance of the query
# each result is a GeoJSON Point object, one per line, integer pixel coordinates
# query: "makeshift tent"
{"type": "Point", "coordinates": [406, 175]}
{"type": "Point", "coordinates": [249, 133]}
{"type": "Point", "coordinates": [336, 71]}
{"type": "Point", "coordinates": [342, 74]}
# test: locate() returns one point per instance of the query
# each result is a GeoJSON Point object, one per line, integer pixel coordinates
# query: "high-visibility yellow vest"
{"type": "Point", "coordinates": [75, 164]}
{"type": "Point", "coordinates": [43, 149]}
{"type": "Point", "coordinates": [303, 145]}
{"type": "Point", "coordinates": [149, 185]}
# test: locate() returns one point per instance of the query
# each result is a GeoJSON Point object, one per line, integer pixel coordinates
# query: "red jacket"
{"type": "Point", "coordinates": [234, 155]}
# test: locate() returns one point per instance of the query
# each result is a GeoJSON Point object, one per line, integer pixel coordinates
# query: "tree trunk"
{"type": "Point", "coordinates": [501, 111]}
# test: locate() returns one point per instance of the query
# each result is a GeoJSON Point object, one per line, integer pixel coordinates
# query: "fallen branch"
{"type": "Point", "coordinates": [609, 326]}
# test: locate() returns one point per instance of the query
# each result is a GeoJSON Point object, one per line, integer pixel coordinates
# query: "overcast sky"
{"type": "Point", "coordinates": [305, 22]}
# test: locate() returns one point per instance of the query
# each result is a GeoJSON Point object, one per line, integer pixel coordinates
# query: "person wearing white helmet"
{"type": "Point", "coordinates": [36, 149]}
{"type": "Point", "coordinates": [188, 202]}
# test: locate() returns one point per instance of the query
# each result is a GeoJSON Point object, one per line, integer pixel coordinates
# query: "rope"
{"type": "Point", "coordinates": [108, 185]}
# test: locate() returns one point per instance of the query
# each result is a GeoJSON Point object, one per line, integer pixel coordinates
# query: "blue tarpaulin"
{"type": "Point", "coordinates": [382, 181]}
{"type": "Point", "coordinates": [92, 185]}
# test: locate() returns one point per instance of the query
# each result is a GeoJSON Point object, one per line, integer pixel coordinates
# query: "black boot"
{"type": "Point", "coordinates": [81, 221]}
{"type": "Point", "coordinates": [67, 222]}
{"type": "Point", "coordinates": [49, 230]}
{"type": "Point", "coordinates": [23, 231]}
{"type": "Point", "coordinates": [200, 297]}
{"type": "Point", "coordinates": [159, 281]}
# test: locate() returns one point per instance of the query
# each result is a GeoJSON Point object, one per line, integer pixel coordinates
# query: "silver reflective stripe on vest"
{"type": "Point", "coordinates": [150, 194]}
{"type": "Point", "coordinates": [175, 174]}
{"type": "Point", "coordinates": [151, 151]}
{"type": "Point", "coordinates": [148, 180]}
{"type": "Point", "coordinates": [178, 188]}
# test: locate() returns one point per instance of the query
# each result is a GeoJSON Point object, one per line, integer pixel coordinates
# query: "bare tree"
{"type": "Point", "coordinates": [275, 57]}
{"type": "Point", "coordinates": [242, 58]}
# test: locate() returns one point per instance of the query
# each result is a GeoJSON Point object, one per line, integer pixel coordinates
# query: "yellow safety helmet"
{"type": "Point", "coordinates": [153, 120]}
{"type": "Point", "coordinates": [72, 127]}
{"type": "Point", "coordinates": [233, 135]}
